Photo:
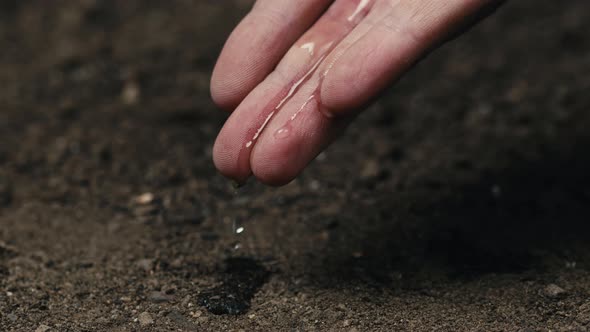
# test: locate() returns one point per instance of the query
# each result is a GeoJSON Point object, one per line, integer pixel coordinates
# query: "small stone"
{"type": "Point", "coordinates": [102, 321]}
{"type": "Point", "coordinates": [43, 328]}
{"type": "Point", "coordinates": [186, 302]}
{"type": "Point", "coordinates": [145, 319]}
{"type": "Point", "coordinates": [146, 206]}
{"type": "Point", "coordinates": [346, 323]}
{"type": "Point", "coordinates": [178, 319]}
{"type": "Point", "coordinates": [145, 264]}
{"type": "Point", "coordinates": [177, 263]}
{"type": "Point", "coordinates": [12, 317]}
{"type": "Point", "coordinates": [159, 297]}
{"type": "Point", "coordinates": [131, 93]}
{"type": "Point", "coordinates": [370, 169]}
{"type": "Point", "coordinates": [552, 290]}
{"type": "Point", "coordinates": [144, 199]}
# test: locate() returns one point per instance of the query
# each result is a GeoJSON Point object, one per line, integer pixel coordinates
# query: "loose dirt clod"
{"type": "Point", "coordinates": [553, 291]}
{"type": "Point", "coordinates": [159, 297]}
{"type": "Point", "coordinates": [145, 319]}
{"type": "Point", "coordinates": [43, 328]}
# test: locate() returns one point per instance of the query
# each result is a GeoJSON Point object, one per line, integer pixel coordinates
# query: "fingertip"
{"type": "Point", "coordinates": [284, 151]}
{"type": "Point", "coordinates": [277, 160]}
{"type": "Point", "coordinates": [271, 169]}
{"type": "Point", "coordinates": [225, 163]}
{"type": "Point", "coordinates": [220, 96]}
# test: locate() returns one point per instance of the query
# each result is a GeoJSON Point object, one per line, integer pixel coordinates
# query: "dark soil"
{"type": "Point", "coordinates": [464, 203]}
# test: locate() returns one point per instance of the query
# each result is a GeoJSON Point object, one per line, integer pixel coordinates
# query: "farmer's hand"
{"type": "Point", "coordinates": [295, 72]}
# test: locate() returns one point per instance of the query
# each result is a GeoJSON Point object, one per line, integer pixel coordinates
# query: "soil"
{"type": "Point", "coordinates": [459, 201]}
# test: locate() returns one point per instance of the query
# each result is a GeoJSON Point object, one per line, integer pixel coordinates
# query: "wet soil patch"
{"type": "Point", "coordinates": [241, 279]}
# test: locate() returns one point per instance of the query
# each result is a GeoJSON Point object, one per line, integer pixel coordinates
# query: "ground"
{"type": "Point", "coordinates": [459, 201]}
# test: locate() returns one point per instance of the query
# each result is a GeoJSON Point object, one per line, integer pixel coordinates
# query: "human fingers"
{"type": "Point", "coordinates": [257, 44]}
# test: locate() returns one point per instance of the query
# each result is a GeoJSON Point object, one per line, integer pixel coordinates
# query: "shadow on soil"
{"type": "Point", "coordinates": [529, 217]}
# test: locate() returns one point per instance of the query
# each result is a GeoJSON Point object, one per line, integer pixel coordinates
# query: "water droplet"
{"type": "Point", "coordinates": [237, 228]}
{"type": "Point", "coordinates": [236, 225]}
{"type": "Point", "coordinates": [359, 9]}
{"type": "Point", "coordinates": [310, 47]}
{"type": "Point", "coordinates": [283, 132]}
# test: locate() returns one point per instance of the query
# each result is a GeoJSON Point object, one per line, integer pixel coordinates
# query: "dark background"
{"type": "Point", "coordinates": [459, 201]}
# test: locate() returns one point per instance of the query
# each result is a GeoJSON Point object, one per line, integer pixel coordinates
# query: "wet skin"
{"type": "Point", "coordinates": [295, 73]}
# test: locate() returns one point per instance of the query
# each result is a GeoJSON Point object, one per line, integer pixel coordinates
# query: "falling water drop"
{"type": "Point", "coordinates": [237, 229]}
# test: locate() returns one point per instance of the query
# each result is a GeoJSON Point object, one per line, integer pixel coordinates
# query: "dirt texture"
{"type": "Point", "coordinates": [460, 201]}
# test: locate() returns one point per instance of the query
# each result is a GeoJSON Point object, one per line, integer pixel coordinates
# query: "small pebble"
{"type": "Point", "coordinates": [144, 199]}
{"type": "Point", "coordinates": [552, 290]}
{"type": "Point", "coordinates": [370, 169]}
{"type": "Point", "coordinates": [159, 297]}
{"type": "Point", "coordinates": [145, 264]}
{"type": "Point", "coordinates": [145, 319]}
{"type": "Point", "coordinates": [186, 301]}
{"type": "Point", "coordinates": [43, 328]}
{"type": "Point", "coordinates": [131, 93]}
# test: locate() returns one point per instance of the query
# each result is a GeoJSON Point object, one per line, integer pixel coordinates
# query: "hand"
{"type": "Point", "coordinates": [295, 73]}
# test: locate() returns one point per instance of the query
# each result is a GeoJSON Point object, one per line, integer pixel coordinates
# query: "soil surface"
{"type": "Point", "coordinates": [459, 202]}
